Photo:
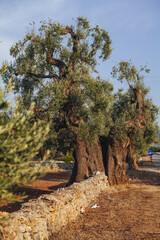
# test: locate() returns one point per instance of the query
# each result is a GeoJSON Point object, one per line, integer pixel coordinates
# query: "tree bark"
{"type": "Point", "coordinates": [105, 155]}
{"type": "Point", "coordinates": [114, 158]}
{"type": "Point", "coordinates": [88, 159]}
{"type": "Point", "coordinates": [132, 162]}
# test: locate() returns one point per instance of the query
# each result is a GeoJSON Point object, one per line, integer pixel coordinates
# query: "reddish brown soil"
{"type": "Point", "coordinates": [124, 212]}
{"type": "Point", "coordinates": [47, 184]}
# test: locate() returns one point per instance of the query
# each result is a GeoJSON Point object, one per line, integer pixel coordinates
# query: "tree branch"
{"type": "Point", "coordinates": [138, 121]}
{"type": "Point", "coordinates": [41, 75]}
{"type": "Point", "coordinates": [75, 39]}
{"type": "Point", "coordinates": [37, 75]}
{"type": "Point", "coordinates": [69, 30]}
{"type": "Point", "coordinates": [90, 55]}
{"type": "Point", "coordinates": [56, 62]}
{"type": "Point", "coordinates": [131, 87]}
{"type": "Point", "coordinates": [73, 57]}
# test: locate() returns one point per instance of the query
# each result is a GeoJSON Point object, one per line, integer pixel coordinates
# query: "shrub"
{"type": "Point", "coordinates": [21, 137]}
{"type": "Point", "coordinates": [155, 148]}
{"type": "Point", "coordinates": [68, 158]}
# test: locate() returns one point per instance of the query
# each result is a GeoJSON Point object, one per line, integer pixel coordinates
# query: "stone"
{"type": "Point", "coordinates": [39, 219]}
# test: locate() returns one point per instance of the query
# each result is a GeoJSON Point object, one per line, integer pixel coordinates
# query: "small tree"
{"type": "Point", "coordinates": [20, 140]}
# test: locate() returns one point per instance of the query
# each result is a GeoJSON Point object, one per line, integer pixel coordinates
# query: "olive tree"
{"type": "Point", "coordinates": [53, 67]}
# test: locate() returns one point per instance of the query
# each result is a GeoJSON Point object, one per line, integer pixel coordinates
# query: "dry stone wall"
{"type": "Point", "coordinates": [39, 219]}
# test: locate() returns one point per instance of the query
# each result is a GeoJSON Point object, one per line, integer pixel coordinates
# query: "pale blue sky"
{"type": "Point", "coordinates": [134, 27]}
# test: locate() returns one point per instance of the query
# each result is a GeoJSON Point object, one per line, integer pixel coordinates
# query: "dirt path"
{"type": "Point", "coordinates": [125, 212]}
{"type": "Point", "coordinates": [50, 182]}
{"type": "Point", "coordinates": [122, 212]}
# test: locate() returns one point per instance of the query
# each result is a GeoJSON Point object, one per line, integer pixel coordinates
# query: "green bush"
{"type": "Point", "coordinates": [68, 158]}
{"type": "Point", "coordinates": [155, 148]}
{"type": "Point", "coordinates": [21, 137]}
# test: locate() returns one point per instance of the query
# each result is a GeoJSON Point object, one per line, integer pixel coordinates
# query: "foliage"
{"type": "Point", "coordinates": [143, 138]}
{"type": "Point", "coordinates": [68, 158]}
{"type": "Point", "coordinates": [158, 134]}
{"type": "Point", "coordinates": [84, 111]}
{"type": "Point", "coordinates": [132, 107]}
{"type": "Point", "coordinates": [21, 137]}
{"type": "Point", "coordinates": [53, 68]}
{"type": "Point", "coordinates": [126, 71]}
{"type": "Point", "coordinates": [155, 148]}
{"type": "Point", "coordinates": [32, 66]}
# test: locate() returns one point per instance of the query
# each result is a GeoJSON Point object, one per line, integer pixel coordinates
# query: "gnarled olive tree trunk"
{"type": "Point", "coordinates": [105, 155]}
{"type": "Point", "coordinates": [88, 159]}
{"type": "Point", "coordinates": [114, 158]}
{"type": "Point", "coordinates": [108, 154]}
{"type": "Point", "coordinates": [132, 162]}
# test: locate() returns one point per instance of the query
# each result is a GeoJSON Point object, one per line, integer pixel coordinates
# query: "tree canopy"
{"type": "Point", "coordinates": [54, 68]}
{"type": "Point", "coordinates": [135, 111]}
{"type": "Point", "coordinates": [55, 51]}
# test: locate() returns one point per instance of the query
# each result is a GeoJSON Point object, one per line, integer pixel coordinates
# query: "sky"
{"type": "Point", "coordinates": [134, 27]}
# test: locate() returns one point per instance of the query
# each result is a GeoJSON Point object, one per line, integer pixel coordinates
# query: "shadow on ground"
{"type": "Point", "coordinates": [55, 180]}
{"type": "Point", "coordinates": [146, 176]}
{"type": "Point", "coordinates": [45, 185]}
